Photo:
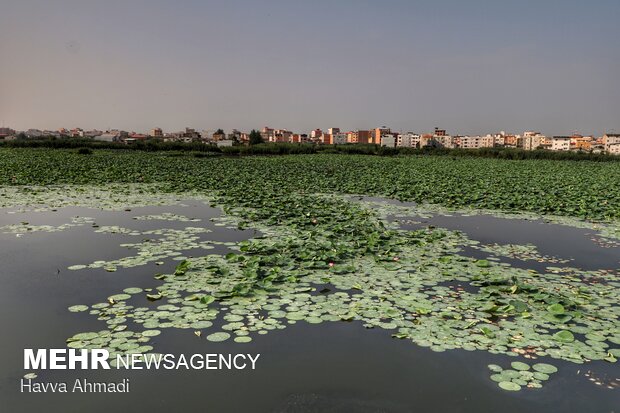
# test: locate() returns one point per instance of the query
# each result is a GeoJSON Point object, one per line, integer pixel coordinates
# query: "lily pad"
{"type": "Point", "coordinates": [509, 386]}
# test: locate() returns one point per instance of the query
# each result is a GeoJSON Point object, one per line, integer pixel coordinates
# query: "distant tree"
{"type": "Point", "coordinates": [255, 137]}
{"type": "Point", "coordinates": [219, 132]}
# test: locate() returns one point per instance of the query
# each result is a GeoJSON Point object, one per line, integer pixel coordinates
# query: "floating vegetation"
{"type": "Point", "coordinates": [521, 375]}
{"type": "Point", "coordinates": [353, 266]}
{"type": "Point", "coordinates": [170, 244]}
{"type": "Point", "coordinates": [325, 257]}
{"type": "Point", "coordinates": [520, 252]}
{"type": "Point", "coordinates": [25, 227]}
{"type": "Point", "coordinates": [166, 216]}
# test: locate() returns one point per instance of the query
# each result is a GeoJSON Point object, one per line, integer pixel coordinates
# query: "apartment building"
{"type": "Point", "coordinates": [408, 140]}
{"type": "Point", "coordinates": [476, 142]}
{"type": "Point", "coordinates": [560, 143]}
{"type": "Point", "coordinates": [611, 143]}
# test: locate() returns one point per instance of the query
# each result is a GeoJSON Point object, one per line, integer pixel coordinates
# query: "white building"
{"type": "Point", "coordinates": [532, 140]}
{"type": "Point", "coordinates": [388, 140]}
{"type": "Point", "coordinates": [613, 149]}
{"type": "Point", "coordinates": [611, 141]}
{"type": "Point", "coordinates": [476, 142]}
{"type": "Point", "coordinates": [560, 143]}
{"type": "Point", "coordinates": [408, 140]}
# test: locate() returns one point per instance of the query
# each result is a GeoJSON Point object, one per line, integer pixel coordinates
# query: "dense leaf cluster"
{"type": "Point", "coordinates": [583, 189]}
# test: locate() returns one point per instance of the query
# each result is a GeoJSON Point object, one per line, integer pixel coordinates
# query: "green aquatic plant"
{"type": "Point", "coordinates": [325, 257]}
{"type": "Point", "coordinates": [521, 375]}
{"type": "Point", "coordinates": [347, 264]}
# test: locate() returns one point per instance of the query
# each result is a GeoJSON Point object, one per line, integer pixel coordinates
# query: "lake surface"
{"type": "Point", "coordinates": [329, 367]}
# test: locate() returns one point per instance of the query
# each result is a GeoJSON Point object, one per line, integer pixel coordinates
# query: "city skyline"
{"type": "Point", "coordinates": [470, 68]}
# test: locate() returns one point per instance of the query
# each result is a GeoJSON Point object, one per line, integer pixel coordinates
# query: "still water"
{"type": "Point", "coordinates": [330, 367]}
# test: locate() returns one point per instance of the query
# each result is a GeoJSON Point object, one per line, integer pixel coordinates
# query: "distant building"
{"type": "Point", "coordinates": [156, 133]}
{"type": "Point", "coordinates": [108, 137]}
{"type": "Point", "coordinates": [34, 133]}
{"type": "Point", "coordinates": [511, 141]}
{"type": "Point", "coordinates": [268, 134]}
{"type": "Point", "coordinates": [235, 135]}
{"type": "Point", "coordinates": [316, 134]}
{"type": "Point", "coordinates": [219, 136]}
{"type": "Point", "coordinates": [339, 138]}
{"type": "Point", "coordinates": [224, 142]}
{"type": "Point", "coordinates": [581, 143]}
{"type": "Point", "coordinates": [613, 149]}
{"type": "Point", "coordinates": [364, 136]}
{"type": "Point", "coordinates": [560, 143]}
{"type": "Point", "coordinates": [333, 131]}
{"type": "Point", "coordinates": [533, 140]}
{"type": "Point", "coordinates": [476, 142]}
{"type": "Point", "coordinates": [6, 131]}
{"type": "Point", "coordinates": [388, 140]}
{"type": "Point", "coordinates": [282, 135]}
{"type": "Point", "coordinates": [408, 140]}
{"type": "Point", "coordinates": [378, 133]}
{"type": "Point", "coordinates": [92, 133]}
{"type": "Point", "coordinates": [611, 143]}
{"type": "Point", "coordinates": [439, 132]}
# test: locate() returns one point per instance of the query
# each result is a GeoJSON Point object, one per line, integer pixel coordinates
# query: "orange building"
{"type": "Point", "coordinates": [377, 133]}
{"type": "Point", "coordinates": [351, 137]}
{"type": "Point", "coordinates": [510, 140]}
{"type": "Point", "coordinates": [365, 136]}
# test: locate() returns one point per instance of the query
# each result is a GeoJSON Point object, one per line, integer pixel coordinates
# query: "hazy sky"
{"type": "Point", "coordinates": [469, 66]}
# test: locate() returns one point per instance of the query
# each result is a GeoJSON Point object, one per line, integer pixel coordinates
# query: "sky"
{"type": "Point", "coordinates": [471, 67]}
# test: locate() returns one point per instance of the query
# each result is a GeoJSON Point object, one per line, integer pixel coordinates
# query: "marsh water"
{"type": "Point", "coordinates": [328, 367]}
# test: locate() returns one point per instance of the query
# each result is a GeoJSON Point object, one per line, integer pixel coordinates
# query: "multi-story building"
{"type": "Point", "coordinates": [282, 135]}
{"type": "Point", "coordinates": [387, 139]}
{"type": "Point", "coordinates": [339, 138]}
{"type": "Point", "coordinates": [426, 141]}
{"type": "Point", "coordinates": [364, 136]}
{"type": "Point", "coordinates": [613, 149]}
{"type": "Point", "coordinates": [581, 143]}
{"type": "Point", "coordinates": [409, 140]}
{"type": "Point", "coordinates": [218, 135]}
{"type": "Point", "coordinates": [611, 143]}
{"type": "Point", "coordinates": [268, 134]}
{"type": "Point", "coordinates": [156, 133]}
{"type": "Point", "coordinates": [476, 142]}
{"type": "Point", "coordinates": [333, 131]}
{"type": "Point", "coordinates": [378, 133]}
{"type": "Point", "coordinates": [533, 140]}
{"type": "Point", "coordinates": [6, 131]}
{"type": "Point", "coordinates": [439, 132]}
{"type": "Point", "coordinates": [234, 136]}
{"type": "Point", "coordinates": [297, 138]}
{"type": "Point", "coordinates": [352, 137]}
{"type": "Point", "coordinates": [560, 143]}
{"type": "Point", "coordinates": [511, 141]}
{"type": "Point", "coordinates": [316, 134]}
